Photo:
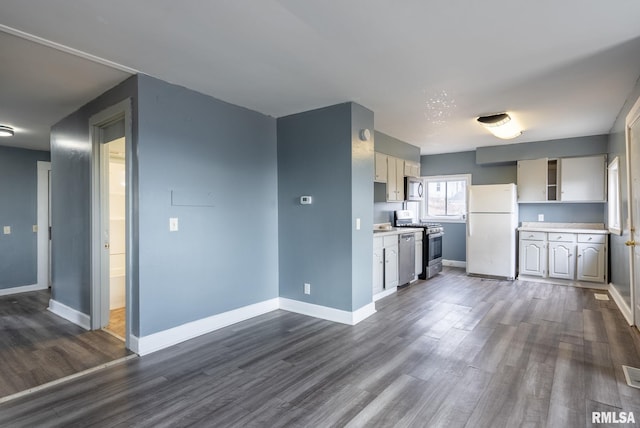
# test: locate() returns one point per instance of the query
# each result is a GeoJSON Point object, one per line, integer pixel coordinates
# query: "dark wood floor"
{"type": "Point", "coordinates": [37, 346]}
{"type": "Point", "coordinates": [454, 351]}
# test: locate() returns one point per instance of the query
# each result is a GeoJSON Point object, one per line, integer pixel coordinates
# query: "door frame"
{"type": "Point", "coordinates": [99, 275]}
{"type": "Point", "coordinates": [632, 117]}
{"type": "Point", "coordinates": [43, 210]}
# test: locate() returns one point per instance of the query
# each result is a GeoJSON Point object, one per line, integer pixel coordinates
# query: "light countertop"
{"type": "Point", "coordinates": [595, 228]}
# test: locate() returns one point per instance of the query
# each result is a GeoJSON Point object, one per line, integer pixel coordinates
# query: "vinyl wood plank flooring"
{"type": "Point", "coordinates": [453, 351]}
{"type": "Point", "coordinates": [37, 347]}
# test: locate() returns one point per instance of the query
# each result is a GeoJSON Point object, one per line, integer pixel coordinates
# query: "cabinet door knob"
{"type": "Point", "coordinates": [630, 243]}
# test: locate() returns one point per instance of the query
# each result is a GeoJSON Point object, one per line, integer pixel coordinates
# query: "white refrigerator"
{"type": "Point", "coordinates": [491, 230]}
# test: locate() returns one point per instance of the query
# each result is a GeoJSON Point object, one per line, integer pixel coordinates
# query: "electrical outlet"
{"type": "Point", "coordinates": [307, 288]}
{"type": "Point", "coordinates": [357, 223]}
{"type": "Point", "coordinates": [35, 227]}
{"type": "Point", "coordinates": [540, 217]}
{"type": "Point", "coordinates": [173, 224]}
{"type": "Point", "coordinates": [7, 230]}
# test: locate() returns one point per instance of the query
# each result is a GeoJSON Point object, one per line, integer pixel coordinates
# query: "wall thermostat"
{"type": "Point", "coordinates": [305, 200]}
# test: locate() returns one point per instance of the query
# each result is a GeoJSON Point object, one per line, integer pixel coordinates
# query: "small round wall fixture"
{"type": "Point", "coordinates": [6, 131]}
{"type": "Point", "coordinates": [365, 134]}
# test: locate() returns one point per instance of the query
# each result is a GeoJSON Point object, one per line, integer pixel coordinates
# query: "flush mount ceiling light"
{"type": "Point", "coordinates": [501, 125]}
{"type": "Point", "coordinates": [6, 131]}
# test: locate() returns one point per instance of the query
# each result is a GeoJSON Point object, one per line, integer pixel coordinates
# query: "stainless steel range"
{"type": "Point", "coordinates": [431, 242]}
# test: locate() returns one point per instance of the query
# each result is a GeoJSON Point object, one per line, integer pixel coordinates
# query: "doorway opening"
{"type": "Point", "coordinates": [115, 201]}
{"type": "Point", "coordinates": [111, 225]}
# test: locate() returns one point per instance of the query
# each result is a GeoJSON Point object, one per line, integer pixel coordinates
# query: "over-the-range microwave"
{"type": "Point", "coordinates": [413, 189]}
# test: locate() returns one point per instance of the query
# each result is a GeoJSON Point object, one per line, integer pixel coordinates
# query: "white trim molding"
{"type": "Point", "coordinates": [64, 48]}
{"type": "Point", "coordinates": [42, 234]}
{"type": "Point", "coordinates": [326, 313]}
{"type": "Point", "coordinates": [622, 305]}
{"type": "Point", "coordinates": [69, 314]}
{"type": "Point", "coordinates": [454, 263]}
{"type": "Point", "coordinates": [21, 289]}
{"type": "Point", "coordinates": [163, 339]}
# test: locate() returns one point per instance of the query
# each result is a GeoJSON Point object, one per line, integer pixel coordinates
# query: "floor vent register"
{"type": "Point", "coordinates": [600, 296]}
{"type": "Point", "coordinates": [632, 375]}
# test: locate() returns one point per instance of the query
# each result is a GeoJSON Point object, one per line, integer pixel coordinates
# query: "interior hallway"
{"type": "Point", "coordinates": [449, 352]}
{"type": "Point", "coordinates": [37, 346]}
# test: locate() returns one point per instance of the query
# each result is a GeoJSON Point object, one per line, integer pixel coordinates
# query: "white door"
{"type": "Point", "coordinates": [633, 169]}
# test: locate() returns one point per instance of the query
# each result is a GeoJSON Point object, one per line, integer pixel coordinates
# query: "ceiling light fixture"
{"type": "Point", "coordinates": [501, 125]}
{"type": "Point", "coordinates": [6, 131]}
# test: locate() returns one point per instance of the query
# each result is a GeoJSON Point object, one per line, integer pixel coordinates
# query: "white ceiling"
{"type": "Point", "coordinates": [426, 68]}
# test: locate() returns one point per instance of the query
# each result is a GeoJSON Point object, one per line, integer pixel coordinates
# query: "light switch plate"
{"type": "Point", "coordinates": [358, 224]}
{"type": "Point", "coordinates": [7, 230]}
{"type": "Point", "coordinates": [540, 217]}
{"type": "Point", "coordinates": [173, 224]}
{"type": "Point", "coordinates": [307, 288]}
{"type": "Point", "coordinates": [35, 228]}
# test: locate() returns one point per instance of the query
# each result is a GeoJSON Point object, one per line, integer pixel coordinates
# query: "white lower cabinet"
{"type": "Point", "coordinates": [418, 239]}
{"type": "Point", "coordinates": [568, 256]}
{"type": "Point", "coordinates": [390, 262]}
{"type": "Point", "coordinates": [591, 262]}
{"type": "Point", "coordinates": [385, 263]}
{"type": "Point", "coordinates": [378, 265]}
{"type": "Point", "coordinates": [533, 256]}
{"type": "Point", "coordinates": [562, 255]}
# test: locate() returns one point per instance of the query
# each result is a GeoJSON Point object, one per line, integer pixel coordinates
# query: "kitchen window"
{"type": "Point", "coordinates": [445, 198]}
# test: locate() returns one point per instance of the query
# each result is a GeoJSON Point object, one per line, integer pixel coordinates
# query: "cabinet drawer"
{"type": "Point", "coordinates": [561, 237]}
{"type": "Point", "coordinates": [591, 238]}
{"type": "Point", "coordinates": [390, 241]}
{"type": "Point", "coordinates": [533, 236]}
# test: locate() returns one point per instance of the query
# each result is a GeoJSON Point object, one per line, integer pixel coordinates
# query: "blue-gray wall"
{"type": "Point", "coordinates": [225, 255]}
{"type": "Point", "coordinates": [318, 155]}
{"type": "Point", "coordinates": [619, 253]}
{"type": "Point", "coordinates": [71, 200]}
{"type": "Point", "coordinates": [19, 195]}
{"type": "Point", "coordinates": [498, 165]}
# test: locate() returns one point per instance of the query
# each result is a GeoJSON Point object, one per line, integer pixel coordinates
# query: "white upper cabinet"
{"type": "Point", "coordinates": [583, 179]}
{"type": "Point", "coordinates": [411, 169]}
{"type": "Point", "coordinates": [381, 168]}
{"type": "Point", "coordinates": [580, 179]}
{"type": "Point", "coordinates": [532, 180]}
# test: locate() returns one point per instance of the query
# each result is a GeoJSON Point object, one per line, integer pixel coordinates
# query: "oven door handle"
{"type": "Point", "coordinates": [436, 235]}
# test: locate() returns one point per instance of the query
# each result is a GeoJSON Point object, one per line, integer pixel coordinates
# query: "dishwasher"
{"type": "Point", "coordinates": [406, 258]}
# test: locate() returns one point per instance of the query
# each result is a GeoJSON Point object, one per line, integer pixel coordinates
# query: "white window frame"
{"type": "Point", "coordinates": [614, 216]}
{"type": "Point", "coordinates": [444, 219]}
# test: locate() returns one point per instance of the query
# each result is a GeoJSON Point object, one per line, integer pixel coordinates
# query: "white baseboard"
{"type": "Point", "coordinates": [326, 313]}
{"type": "Point", "coordinates": [70, 314]}
{"type": "Point", "coordinates": [363, 313]}
{"type": "Point", "coordinates": [384, 293]}
{"type": "Point", "coordinates": [163, 339]}
{"type": "Point", "coordinates": [454, 263]}
{"type": "Point", "coordinates": [21, 289]}
{"type": "Point", "coordinates": [622, 305]}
